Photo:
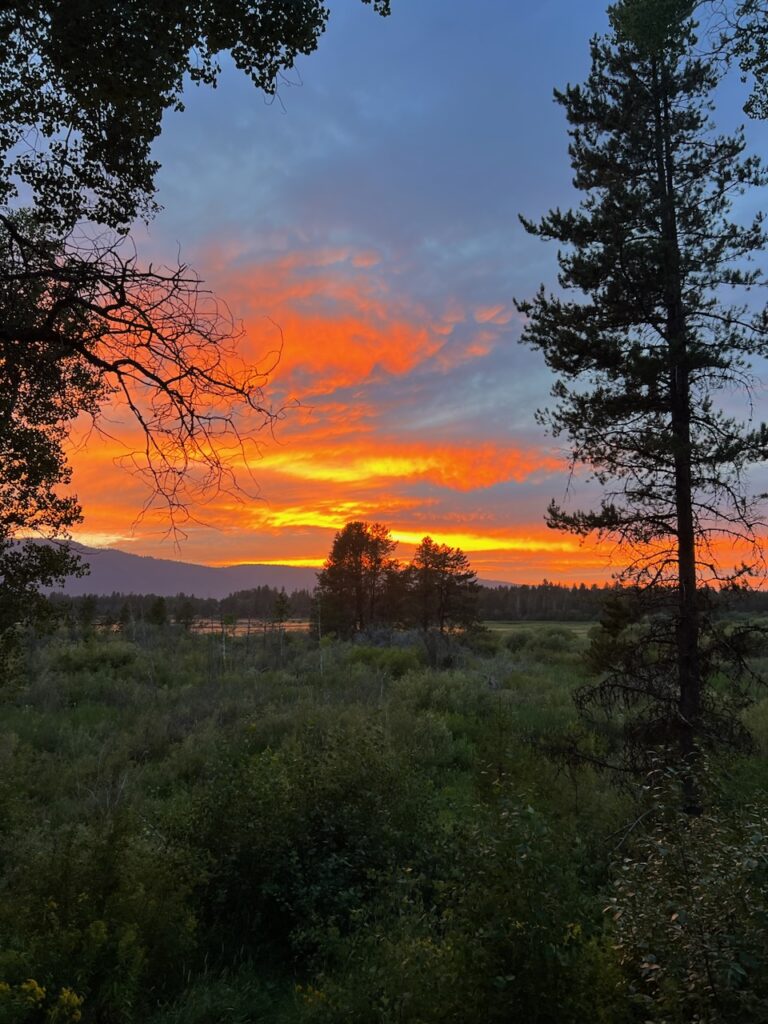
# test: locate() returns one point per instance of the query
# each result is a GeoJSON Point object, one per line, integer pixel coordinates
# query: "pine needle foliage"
{"type": "Point", "coordinates": [650, 357]}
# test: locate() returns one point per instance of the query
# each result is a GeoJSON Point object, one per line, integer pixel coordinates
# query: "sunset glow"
{"type": "Point", "coordinates": [369, 250]}
{"type": "Point", "coordinates": [353, 440]}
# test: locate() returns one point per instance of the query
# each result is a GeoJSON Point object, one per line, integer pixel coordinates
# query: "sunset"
{"type": "Point", "coordinates": [383, 512]}
{"type": "Point", "coordinates": [363, 228]}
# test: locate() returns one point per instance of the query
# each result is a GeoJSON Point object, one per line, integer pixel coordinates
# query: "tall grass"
{"type": "Point", "coordinates": [282, 831]}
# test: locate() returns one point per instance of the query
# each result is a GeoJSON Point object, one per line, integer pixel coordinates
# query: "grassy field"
{"type": "Point", "coordinates": [193, 832]}
{"type": "Point", "coordinates": [578, 630]}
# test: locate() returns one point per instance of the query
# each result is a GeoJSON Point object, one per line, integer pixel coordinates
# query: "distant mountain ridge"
{"type": "Point", "coordinates": [118, 571]}
{"type": "Point", "coordinates": [115, 571]}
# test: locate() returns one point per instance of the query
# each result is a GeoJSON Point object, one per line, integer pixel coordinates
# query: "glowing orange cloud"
{"type": "Point", "coordinates": [477, 542]}
{"type": "Point", "coordinates": [344, 338]}
{"type": "Point", "coordinates": [493, 315]}
{"type": "Point", "coordinates": [326, 320]}
{"type": "Point", "coordinates": [460, 467]}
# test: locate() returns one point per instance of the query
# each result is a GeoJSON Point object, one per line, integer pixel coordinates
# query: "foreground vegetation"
{"type": "Point", "coordinates": [297, 832]}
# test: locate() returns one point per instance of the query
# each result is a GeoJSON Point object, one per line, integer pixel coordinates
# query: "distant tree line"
{"type": "Point", "coordinates": [555, 602]}
{"type": "Point", "coordinates": [421, 598]}
{"type": "Point", "coordinates": [543, 601]}
{"type": "Point", "coordinates": [259, 604]}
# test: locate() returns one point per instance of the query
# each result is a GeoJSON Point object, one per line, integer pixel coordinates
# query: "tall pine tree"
{"type": "Point", "coordinates": [648, 359]}
{"type": "Point", "coordinates": [443, 587]}
{"type": "Point", "coordinates": [352, 584]}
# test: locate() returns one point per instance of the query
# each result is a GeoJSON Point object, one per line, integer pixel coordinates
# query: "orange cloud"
{"type": "Point", "coordinates": [366, 259]}
{"type": "Point", "coordinates": [296, 525]}
{"type": "Point", "coordinates": [493, 315]}
{"type": "Point", "coordinates": [338, 350]}
{"type": "Point", "coordinates": [470, 542]}
{"type": "Point", "coordinates": [329, 319]}
{"type": "Point", "coordinates": [459, 467]}
{"type": "Point", "coordinates": [343, 337]}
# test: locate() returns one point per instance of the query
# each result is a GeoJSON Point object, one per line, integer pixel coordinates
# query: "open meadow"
{"type": "Point", "coordinates": [288, 831]}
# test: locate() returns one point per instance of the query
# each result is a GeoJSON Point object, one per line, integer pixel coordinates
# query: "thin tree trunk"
{"type": "Point", "coordinates": [688, 666]}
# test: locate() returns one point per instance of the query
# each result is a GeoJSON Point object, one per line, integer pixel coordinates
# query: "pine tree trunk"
{"type": "Point", "coordinates": [689, 677]}
{"type": "Point", "coordinates": [688, 667]}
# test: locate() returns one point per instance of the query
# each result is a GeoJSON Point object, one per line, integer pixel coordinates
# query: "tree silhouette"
{"type": "Point", "coordinates": [641, 360]}
{"type": "Point", "coordinates": [79, 325]}
{"type": "Point", "coordinates": [83, 324]}
{"type": "Point", "coordinates": [443, 587]}
{"type": "Point", "coordinates": [734, 32]}
{"type": "Point", "coordinates": [84, 86]}
{"type": "Point", "coordinates": [157, 615]}
{"type": "Point", "coordinates": [352, 583]}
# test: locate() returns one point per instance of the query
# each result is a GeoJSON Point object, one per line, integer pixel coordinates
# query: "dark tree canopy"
{"type": "Point", "coordinates": [746, 37]}
{"type": "Point", "coordinates": [83, 88]}
{"type": "Point", "coordinates": [43, 389]}
{"type": "Point", "coordinates": [443, 587]}
{"type": "Point", "coordinates": [649, 25]}
{"type": "Point", "coordinates": [644, 358]}
{"type": "Point", "coordinates": [352, 586]}
{"type": "Point", "coordinates": [84, 85]}
{"type": "Point", "coordinates": [362, 585]}
{"type": "Point", "coordinates": [82, 322]}
{"type": "Point", "coordinates": [733, 31]}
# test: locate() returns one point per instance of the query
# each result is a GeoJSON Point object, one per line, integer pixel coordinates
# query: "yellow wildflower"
{"type": "Point", "coordinates": [33, 992]}
{"type": "Point", "coordinates": [66, 1008]}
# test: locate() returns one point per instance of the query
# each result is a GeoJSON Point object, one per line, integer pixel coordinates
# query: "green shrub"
{"type": "Point", "coordinates": [299, 837]}
{"type": "Point", "coordinates": [97, 656]}
{"type": "Point", "coordinates": [499, 931]}
{"type": "Point", "coordinates": [393, 661]}
{"type": "Point", "coordinates": [100, 910]}
{"type": "Point", "coordinates": [690, 911]}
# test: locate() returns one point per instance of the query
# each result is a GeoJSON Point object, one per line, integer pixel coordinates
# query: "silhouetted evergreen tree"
{"type": "Point", "coordinates": [640, 359]}
{"type": "Point", "coordinates": [352, 583]}
{"type": "Point", "coordinates": [442, 587]}
{"type": "Point", "coordinates": [157, 614]}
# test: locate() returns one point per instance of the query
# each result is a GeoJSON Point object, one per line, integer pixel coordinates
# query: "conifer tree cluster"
{"type": "Point", "coordinates": [362, 585]}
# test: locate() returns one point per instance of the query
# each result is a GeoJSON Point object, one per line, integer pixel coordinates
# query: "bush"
{"type": "Point", "coordinates": [542, 642]}
{"type": "Point", "coordinates": [500, 930]}
{"type": "Point", "coordinates": [298, 838]}
{"type": "Point", "coordinates": [690, 911]}
{"type": "Point", "coordinates": [96, 657]}
{"type": "Point", "coordinates": [100, 911]}
{"type": "Point", "coordinates": [391, 661]}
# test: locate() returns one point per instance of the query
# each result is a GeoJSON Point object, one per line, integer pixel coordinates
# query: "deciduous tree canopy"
{"type": "Point", "coordinates": [81, 321]}
{"type": "Point", "coordinates": [83, 88]}
{"type": "Point", "coordinates": [84, 85]}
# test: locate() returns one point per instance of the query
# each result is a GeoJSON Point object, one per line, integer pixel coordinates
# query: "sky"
{"type": "Point", "coordinates": [365, 222]}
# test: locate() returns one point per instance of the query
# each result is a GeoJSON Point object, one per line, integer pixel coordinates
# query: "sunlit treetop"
{"type": "Point", "coordinates": [84, 85]}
